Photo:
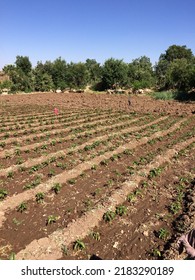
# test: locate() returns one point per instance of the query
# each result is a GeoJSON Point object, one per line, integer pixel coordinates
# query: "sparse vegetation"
{"type": "Point", "coordinates": [80, 165]}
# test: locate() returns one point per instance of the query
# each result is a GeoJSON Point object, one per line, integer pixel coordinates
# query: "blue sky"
{"type": "Point", "coordinates": [100, 29]}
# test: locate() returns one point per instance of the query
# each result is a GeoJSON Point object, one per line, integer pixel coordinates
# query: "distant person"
{"type": "Point", "coordinates": [129, 100]}
{"type": "Point", "coordinates": [56, 111]}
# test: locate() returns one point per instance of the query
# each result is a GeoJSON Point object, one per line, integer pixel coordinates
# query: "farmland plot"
{"type": "Point", "coordinates": [90, 183]}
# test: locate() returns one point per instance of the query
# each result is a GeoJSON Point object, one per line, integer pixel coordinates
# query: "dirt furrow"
{"type": "Point", "coordinates": [12, 202]}
{"type": "Point", "coordinates": [60, 125]}
{"type": "Point", "coordinates": [35, 145]}
{"type": "Point", "coordinates": [33, 161]}
{"type": "Point", "coordinates": [36, 122]}
{"type": "Point", "coordinates": [51, 247]}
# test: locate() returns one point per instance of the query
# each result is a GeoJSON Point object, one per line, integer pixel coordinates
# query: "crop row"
{"type": "Point", "coordinates": [98, 208]}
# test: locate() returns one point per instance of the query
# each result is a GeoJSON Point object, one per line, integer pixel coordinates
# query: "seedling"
{"type": "Point", "coordinates": [117, 173]}
{"type": "Point", "coordinates": [12, 256]}
{"type": "Point", "coordinates": [96, 192]}
{"type": "Point", "coordinates": [109, 183]}
{"type": "Point", "coordinates": [130, 170]}
{"type": "Point", "coordinates": [34, 183]}
{"type": "Point", "coordinates": [10, 174]}
{"type": "Point", "coordinates": [127, 152]}
{"type": "Point", "coordinates": [94, 167]}
{"type": "Point", "coordinates": [3, 194]}
{"type": "Point", "coordinates": [109, 216]}
{"type": "Point", "coordinates": [39, 197]}
{"type": "Point", "coordinates": [51, 173]}
{"type": "Point", "coordinates": [51, 219]}
{"type": "Point", "coordinates": [17, 222]}
{"type": "Point", "coordinates": [2, 144]}
{"type": "Point", "coordinates": [17, 152]}
{"type": "Point", "coordinates": [175, 207]}
{"type": "Point", "coordinates": [44, 147]}
{"type": "Point", "coordinates": [52, 159]}
{"type": "Point", "coordinates": [156, 253]}
{"type": "Point", "coordinates": [114, 157]}
{"type": "Point", "coordinates": [79, 245]}
{"type": "Point", "coordinates": [121, 210]}
{"type": "Point", "coordinates": [56, 188]}
{"type": "Point", "coordinates": [104, 162]}
{"type": "Point", "coordinates": [163, 233]}
{"type": "Point", "coordinates": [7, 155]}
{"type": "Point", "coordinates": [131, 197]}
{"type": "Point", "coordinates": [154, 172]}
{"type": "Point", "coordinates": [34, 168]}
{"type": "Point", "coordinates": [72, 181]}
{"type": "Point", "coordinates": [96, 236]}
{"type": "Point", "coordinates": [19, 161]}
{"type": "Point", "coordinates": [64, 250]}
{"type": "Point", "coordinates": [53, 142]}
{"type": "Point", "coordinates": [138, 192]}
{"type": "Point", "coordinates": [88, 204]}
{"type": "Point", "coordinates": [144, 184]}
{"type": "Point", "coordinates": [22, 207]}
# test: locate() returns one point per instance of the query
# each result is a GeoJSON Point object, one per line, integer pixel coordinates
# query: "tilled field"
{"type": "Point", "coordinates": [93, 183]}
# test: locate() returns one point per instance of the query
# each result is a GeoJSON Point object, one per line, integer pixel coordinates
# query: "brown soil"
{"type": "Point", "coordinates": [108, 152]}
{"type": "Point", "coordinates": [143, 104]}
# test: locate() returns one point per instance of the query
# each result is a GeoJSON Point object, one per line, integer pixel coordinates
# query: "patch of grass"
{"type": "Point", "coordinates": [164, 95]}
{"type": "Point", "coordinates": [176, 95]}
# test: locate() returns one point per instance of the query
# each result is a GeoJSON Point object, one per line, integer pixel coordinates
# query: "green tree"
{"type": "Point", "coordinates": [20, 80]}
{"type": "Point", "coordinates": [177, 52]}
{"type": "Point", "coordinates": [23, 63]}
{"type": "Point", "coordinates": [180, 74]}
{"type": "Point", "coordinates": [43, 81]}
{"type": "Point", "coordinates": [140, 73]}
{"type": "Point", "coordinates": [114, 72]}
{"type": "Point", "coordinates": [77, 75]}
{"type": "Point", "coordinates": [6, 84]}
{"type": "Point", "coordinates": [20, 74]}
{"type": "Point", "coordinates": [59, 73]}
{"type": "Point", "coordinates": [93, 71]}
{"type": "Point", "coordinates": [172, 66]}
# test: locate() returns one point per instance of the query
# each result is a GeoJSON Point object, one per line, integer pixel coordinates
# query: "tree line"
{"type": "Point", "coordinates": [175, 70]}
